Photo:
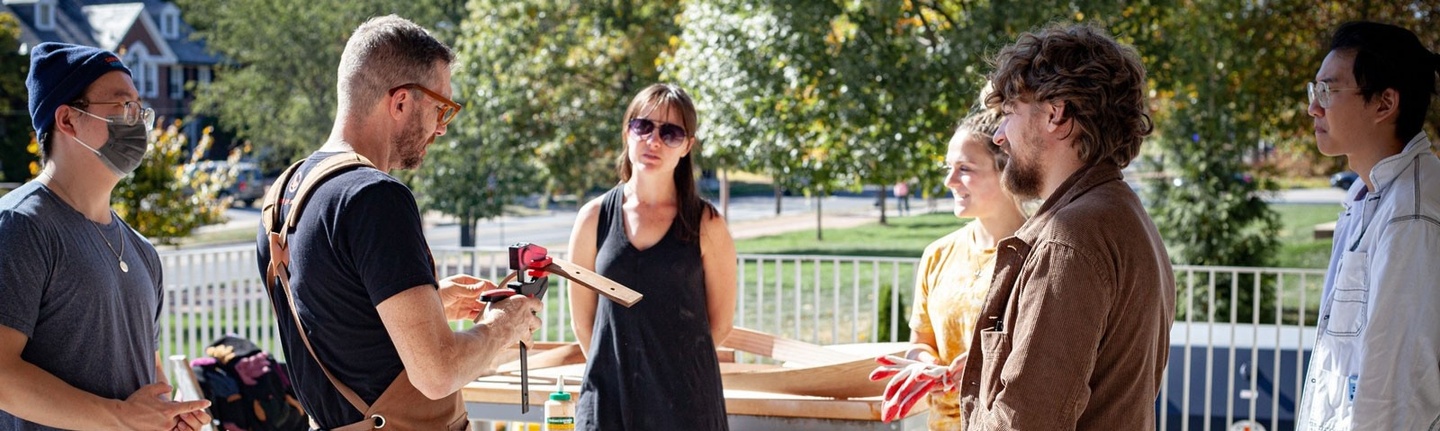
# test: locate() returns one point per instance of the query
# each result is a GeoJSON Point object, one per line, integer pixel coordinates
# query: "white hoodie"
{"type": "Point", "coordinates": [1376, 363]}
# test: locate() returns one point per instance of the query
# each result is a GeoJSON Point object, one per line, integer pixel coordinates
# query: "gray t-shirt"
{"type": "Point", "coordinates": [88, 323]}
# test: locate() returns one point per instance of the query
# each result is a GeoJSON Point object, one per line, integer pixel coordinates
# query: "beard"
{"type": "Point", "coordinates": [1023, 175]}
{"type": "Point", "coordinates": [412, 141]}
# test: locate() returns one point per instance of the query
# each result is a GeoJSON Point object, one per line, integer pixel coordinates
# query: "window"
{"type": "Point", "coordinates": [152, 78]}
{"type": "Point", "coordinates": [45, 15]}
{"type": "Point", "coordinates": [137, 72]}
{"type": "Point", "coordinates": [170, 23]}
{"type": "Point", "coordinates": [143, 70]}
{"type": "Point", "coordinates": [177, 82]}
{"type": "Point", "coordinates": [204, 77]}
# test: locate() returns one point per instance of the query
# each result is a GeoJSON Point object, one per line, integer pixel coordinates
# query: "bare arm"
{"type": "Point", "coordinates": [717, 249]}
{"type": "Point", "coordinates": [439, 360]}
{"type": "Point", "coordinates": [582, 252]}
{"type": "Point", "coordinates": [35, 395]}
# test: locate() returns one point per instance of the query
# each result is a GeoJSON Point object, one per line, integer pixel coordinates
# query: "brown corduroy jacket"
{"type": "Point", "coordinates": [1075, 331]}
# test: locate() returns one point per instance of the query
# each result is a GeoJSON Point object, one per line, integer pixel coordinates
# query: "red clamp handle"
{"type": "Point", "coordinates": [497, 295]}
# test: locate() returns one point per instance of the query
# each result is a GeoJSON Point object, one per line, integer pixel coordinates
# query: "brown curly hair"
{"type": "Point", "coordinates": [1100, 81]}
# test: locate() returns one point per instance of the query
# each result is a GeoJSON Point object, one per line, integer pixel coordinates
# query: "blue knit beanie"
{"type": "Point", "coordinates": [60, 73]}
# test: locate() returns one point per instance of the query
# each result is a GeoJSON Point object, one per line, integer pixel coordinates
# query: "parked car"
{"type": "Point", "coordinates": [1343, 180]}
{"type": "Point", "coordinates": [249, 184]}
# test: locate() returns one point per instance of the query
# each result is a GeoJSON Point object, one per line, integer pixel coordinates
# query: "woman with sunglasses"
{"type": "Point", "coordinates": [953, 278]}
{"type": "Point", "coordinates": [653, 365]}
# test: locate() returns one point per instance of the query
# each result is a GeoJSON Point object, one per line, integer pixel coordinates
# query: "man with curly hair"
{"type": "Point", "coordinates": [1075, 331]}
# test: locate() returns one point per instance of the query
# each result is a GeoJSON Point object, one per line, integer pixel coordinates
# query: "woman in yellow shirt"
{"type": "Point", "coordinates": [955, 272]}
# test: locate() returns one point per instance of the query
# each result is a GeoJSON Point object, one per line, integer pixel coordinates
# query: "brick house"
{"type": "Point", "coordinates": [150, 35]}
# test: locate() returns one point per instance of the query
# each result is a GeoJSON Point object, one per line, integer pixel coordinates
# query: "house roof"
{"type": "Point", "coordinates": [110, 22]}
{"type": "Point", "coordinates": [105, 23]}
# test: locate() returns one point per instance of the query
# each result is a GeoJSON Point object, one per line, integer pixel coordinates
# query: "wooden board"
{"type": "Point", "coordinates": [588, 279]}
{"type": "Point", "coordinates": [506, 391]}
{"type": "Point", "coordinates": [783, 349]}
{"type": "Point", "coordinates": [844, 380]}
{"type": "Point", "coordinates": [596, 282]}
{"type": "Point", "coordinates": [840, 371]}
{"type": "Point", "coordinates": [562, 354]}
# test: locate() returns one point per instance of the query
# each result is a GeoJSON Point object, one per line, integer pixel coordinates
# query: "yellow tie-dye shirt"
{"type": "Point", "coordinates": [950, 286]}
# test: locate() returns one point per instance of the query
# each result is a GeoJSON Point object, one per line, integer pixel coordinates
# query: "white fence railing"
{"type": "Point", "coordinates": [1238, 346]}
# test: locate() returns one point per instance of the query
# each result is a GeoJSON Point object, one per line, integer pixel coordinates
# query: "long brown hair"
{"type": "Point", "coordinates": [658, 96]}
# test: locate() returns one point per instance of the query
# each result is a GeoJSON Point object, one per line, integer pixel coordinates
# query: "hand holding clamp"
{"type": "Point", "coordinates": [531, 264]}
{"type": "Point", "coordinates": [528, 261]}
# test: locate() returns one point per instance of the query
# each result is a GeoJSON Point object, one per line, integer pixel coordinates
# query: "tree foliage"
{"type": "Point", "coordinates": [545, 84]}
{"type": "Point", "coordinates": [556, 76]}
{"type": "Point", "coordinates": [277, 86]}
{"type": "Point", "coordinates": [754, 69]}
{"type": "Point", "coordinates": [822, 95]}
{"type": "Point", "coordinates": [163, 200]}
{"type": "Point", "coordinates": [15, 133]}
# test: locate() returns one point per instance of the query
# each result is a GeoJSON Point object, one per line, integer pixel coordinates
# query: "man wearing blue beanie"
{"type": "Point", "coordinates": [80, 290]}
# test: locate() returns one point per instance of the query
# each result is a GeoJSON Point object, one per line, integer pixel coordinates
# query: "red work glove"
{"type": "Point", "coordinates": [910, 380]}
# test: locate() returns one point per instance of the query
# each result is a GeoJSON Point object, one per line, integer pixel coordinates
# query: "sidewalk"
{"type": "Point", "coordinates": [796, 222]}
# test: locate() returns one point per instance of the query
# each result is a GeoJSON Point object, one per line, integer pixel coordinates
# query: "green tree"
{"type": "Point", "coordinates": [163, 200]}
{"type": "Point", "coordinates": [15, 133]}
{"type": "Point", "coordinates": [277, 86]}
{"type": "Point", "coordinates": [546, 84]}
{"type": "Point", "coordinates": [752, 69]}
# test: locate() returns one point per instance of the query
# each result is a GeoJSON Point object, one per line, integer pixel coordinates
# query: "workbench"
{"type": "Point", "coordinates": [497, 398]}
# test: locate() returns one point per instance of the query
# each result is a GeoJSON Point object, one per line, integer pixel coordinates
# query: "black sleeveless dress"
{"type": "Point", "coordinates": [652, 366]}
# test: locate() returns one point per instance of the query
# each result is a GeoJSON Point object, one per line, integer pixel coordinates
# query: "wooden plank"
{"type": "Point", "coordinates": [843, 380]}
{"type": "Point", "coordinates": [783, 349]}
{"type": "Point", "coordinates": [564, 354]}
{"type": "Point", "coordinates": [590, 280]}
{"type": "Point", "coordinates": [512, 353]}
{"type": "Point", "coordinates": [498, 390]}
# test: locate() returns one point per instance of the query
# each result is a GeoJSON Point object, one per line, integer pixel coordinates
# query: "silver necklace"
{"type": "Point", "coordinates": [119, 256]}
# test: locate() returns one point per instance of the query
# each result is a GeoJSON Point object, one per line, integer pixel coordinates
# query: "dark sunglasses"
{"type": "Point", "coordinates": [673, 136]}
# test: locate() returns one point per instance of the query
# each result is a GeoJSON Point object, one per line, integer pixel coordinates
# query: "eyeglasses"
{"type": "Point", "coordinates": [133, 113]}
{"type": "Point", "coordinates": [1320, 92]}
{"type": "Point", "coordinates": [448, 108]}
{"type": "Point", "coordinates": [673, 136]}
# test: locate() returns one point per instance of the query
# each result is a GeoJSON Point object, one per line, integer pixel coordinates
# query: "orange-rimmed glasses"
{"type": "Point", "coordinates": [448, 108]}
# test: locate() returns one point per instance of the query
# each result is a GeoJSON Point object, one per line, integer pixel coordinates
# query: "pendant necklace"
{"type": "Point", "coordinates": [120, 255]}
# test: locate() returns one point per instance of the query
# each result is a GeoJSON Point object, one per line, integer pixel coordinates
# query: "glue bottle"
{"type": "Point", "coordinates": [560, 410]}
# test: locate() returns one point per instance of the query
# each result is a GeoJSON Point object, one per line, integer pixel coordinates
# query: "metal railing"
{"type": "Point", "coordinates": [1238, 347]}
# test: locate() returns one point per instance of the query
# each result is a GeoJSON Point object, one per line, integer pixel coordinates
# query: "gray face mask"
{"type": "Point", "coordinates": [125, 149]}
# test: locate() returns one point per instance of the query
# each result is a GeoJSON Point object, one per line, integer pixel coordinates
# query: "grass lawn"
{"type": "Point", "coordinates": [902, 237]}
{"type": "Point", "coordinates": [1298, 246]}
{"type": "Point", "coordinates": [908, 236]}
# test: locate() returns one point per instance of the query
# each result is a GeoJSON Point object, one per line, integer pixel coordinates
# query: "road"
{"type": "Point", "coordinates": [749, 216]}
{"type": "Point", "coordinates": [553, 227]}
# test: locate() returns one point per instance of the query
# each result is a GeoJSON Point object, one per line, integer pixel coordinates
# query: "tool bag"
{"type": "Point", "coordinates": [401, 407]}
{"type": "Point", "coordinates": [247, 388]}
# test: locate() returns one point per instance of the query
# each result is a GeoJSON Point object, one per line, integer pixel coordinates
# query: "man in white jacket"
{"type": "Point", "coordinates": [1376, 363]}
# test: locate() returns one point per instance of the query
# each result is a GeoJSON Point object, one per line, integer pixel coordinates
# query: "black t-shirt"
{"type": "Point", "coordinates": [358, 242]}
